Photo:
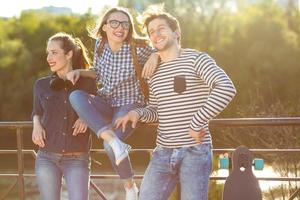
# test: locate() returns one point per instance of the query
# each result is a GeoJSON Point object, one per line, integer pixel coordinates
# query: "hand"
{"type": "Point", "coordinates": [79, 127]}
{"type": "Point", "coordinates": [198, 136]}
{"type": "Point", "coordinates": [73, 76]}
{"type": "Point", "coordinates": [150, 66]}
{"type": "Point", "coordinates": [132, 117]}
{"type": "Point", "coordinates": [38, 135]}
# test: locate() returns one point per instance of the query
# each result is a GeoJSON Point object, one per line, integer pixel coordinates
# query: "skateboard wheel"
{"type": "Point", "coordinates": [224, 163]}
{"type": "Point", "coordinates": [258, 164]}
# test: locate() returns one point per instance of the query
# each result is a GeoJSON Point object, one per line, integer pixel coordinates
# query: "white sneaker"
{"type": "Point", "coordinates": [120, 150]}
{"type": "Point", "coordinates": [132, 193]}
{"type": "Point", "coordinates": [124, 153]}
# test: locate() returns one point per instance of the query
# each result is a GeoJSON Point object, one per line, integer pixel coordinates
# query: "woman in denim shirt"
{"type": "Point", "coordinates": [115, 51]}
{"type": "Point", "coordinates": [62, 137]}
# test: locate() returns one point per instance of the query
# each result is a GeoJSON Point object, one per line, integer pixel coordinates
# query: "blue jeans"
{"type": "Point", "coordinates": [99, 116]}
{"type": "Point", "coordinates": [51, 167]}
{"type": "Point", "coordinates": [189, 166]}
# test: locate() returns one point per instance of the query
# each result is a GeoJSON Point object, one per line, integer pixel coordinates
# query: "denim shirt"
{"type": "Point", "coordinates": [58, 117]}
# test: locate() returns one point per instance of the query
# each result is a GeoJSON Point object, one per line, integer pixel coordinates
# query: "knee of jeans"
{"type": "Point", "coordinates": [75, 97]}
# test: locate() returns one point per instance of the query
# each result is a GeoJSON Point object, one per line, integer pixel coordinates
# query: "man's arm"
{"type": "Point", "coordinates": [146, 114]}
{"type": "Point", "coordinates": [222, 91]}
{"type": "Point", "coordinates": [149, 113]}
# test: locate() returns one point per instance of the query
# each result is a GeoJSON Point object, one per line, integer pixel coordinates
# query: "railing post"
{"type": "Point", "coordinates": [21, 187]}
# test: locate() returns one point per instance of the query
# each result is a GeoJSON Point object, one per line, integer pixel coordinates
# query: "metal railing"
{"type": "Point", "coordinates": [19, 126]}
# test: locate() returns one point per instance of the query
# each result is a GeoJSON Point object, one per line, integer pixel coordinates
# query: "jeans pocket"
{"type": "Point", "coordinates": [42, 155]}
{"type": "Point", "coordinates": [157, 148]}
{"type": "Point", "coordinates": [84, 157]}
{"type": "Point", "coordinates": [201, 149]}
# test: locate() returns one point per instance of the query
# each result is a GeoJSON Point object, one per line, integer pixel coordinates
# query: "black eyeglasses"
{"type": "Point", "coordinates": [115, 24]}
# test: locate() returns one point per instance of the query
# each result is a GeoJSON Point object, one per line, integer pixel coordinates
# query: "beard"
{"type": "Point", "coordinates": [166, 46]}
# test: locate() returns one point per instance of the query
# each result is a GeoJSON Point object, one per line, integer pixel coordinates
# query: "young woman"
{"type": "Point", "coordinates": [117, 58]}
{"type": "Point", "coordinates": [62, 137]}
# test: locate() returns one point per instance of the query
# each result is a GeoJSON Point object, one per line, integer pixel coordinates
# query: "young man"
{"type": "Point", "coordinates": [186, 91]}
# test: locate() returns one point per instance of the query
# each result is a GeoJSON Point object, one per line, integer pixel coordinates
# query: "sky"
{"type": "Point", "coordinates": [14, 7]}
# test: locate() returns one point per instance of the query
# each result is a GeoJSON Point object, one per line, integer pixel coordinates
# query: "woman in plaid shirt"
{"type": "Point", "coordinates": [114, 70]}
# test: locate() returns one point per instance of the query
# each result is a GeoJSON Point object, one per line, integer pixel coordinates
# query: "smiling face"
{"type": "Point", "coordinates": [161, 35]}
{"type": "Point", "coordinates": [58, 60]}
{"type": "Point", "coordinates": [114, 33]}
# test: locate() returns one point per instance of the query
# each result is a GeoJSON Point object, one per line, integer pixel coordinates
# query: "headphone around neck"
{"type": "Point", "coordinates": [57, 83]}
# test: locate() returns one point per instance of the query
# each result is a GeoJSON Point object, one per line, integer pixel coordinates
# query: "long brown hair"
{"type": "Point", "coordinates": [97, 32]}
{"type": "Point", "coordinates": [80, 59]}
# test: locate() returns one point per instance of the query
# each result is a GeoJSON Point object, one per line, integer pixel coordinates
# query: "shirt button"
{"type": "Point", "coordinates": [64, 133]}
{"type": "Point", "coordinates": [65, 101]}
{"type": "Point", "coordinates": [65, 117]}
{"type": "Point", "coordinates": [63, 151]}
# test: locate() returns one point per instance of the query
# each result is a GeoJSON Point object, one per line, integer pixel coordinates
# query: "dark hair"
{"type": "Point", "coordinates": [157, 11]}
{"type": "Point", "coordinates": [97, 32]}
{"type": "Point", "coordinates": [80, 59]}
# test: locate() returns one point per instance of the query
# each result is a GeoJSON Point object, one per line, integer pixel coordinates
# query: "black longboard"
{"type": "Point", "coordinates": [241, 184]}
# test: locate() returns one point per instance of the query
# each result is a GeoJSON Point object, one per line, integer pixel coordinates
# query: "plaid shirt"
{"type": "Point", "coordinates": [116, 73]}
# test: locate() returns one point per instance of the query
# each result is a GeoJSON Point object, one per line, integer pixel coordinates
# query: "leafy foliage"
{"type": "Point", "coordinates": [258, 45]}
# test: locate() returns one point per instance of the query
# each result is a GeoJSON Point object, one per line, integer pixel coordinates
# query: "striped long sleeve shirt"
{"type": "Point", "coordinates": [186, 93]}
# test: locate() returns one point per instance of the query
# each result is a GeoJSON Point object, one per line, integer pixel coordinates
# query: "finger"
{"type": "Point", "coordinates": [84, 129]}
{"type": "Point", "coordinates": [117, 123]}
{"type": "Point", "coordinates": [123, 126]}
{"type": "Point", "coordinates": [73, 81]}
{"type": "Point", "coordinates": [124, 123]}
{"type": "Point", "coordinates": [79, 128]}
{"type": "Point", "coordinates": [146, 72]}
{"type": "Point", "coordinates": [150, 71]}
{"type": "Point", "coordinates": [133, 124]}
{"type": "Point", "coordinates": [34, 141]}
{"type": "Point", "coordinates": [202, 133]}
{"type": "Point", "coordinates": [71, 78]}
{"type": "Point", "coordinates": [41, 139]}
{"type": "Point", "coordinates": [75, 124]}
{"type": "Point", "coordinates": [75, 131]}
{"type": "Point", "coordinates": [200, 138]}
{"type": "Point", "coordinates": [196, 139]}
{"type": "Point", "coordinates": [40, 142]}
{"type": "Point", "coordinates": [44, 134]}
{"type": "Point", "coordinates": [143, 72]}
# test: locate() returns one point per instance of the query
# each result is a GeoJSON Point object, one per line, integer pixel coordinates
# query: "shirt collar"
{"type": "Point", "coordinates": [124, 48]}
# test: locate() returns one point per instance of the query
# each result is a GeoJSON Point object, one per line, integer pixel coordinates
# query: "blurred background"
{"type": "Point", "coordinates": [257, 42]}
